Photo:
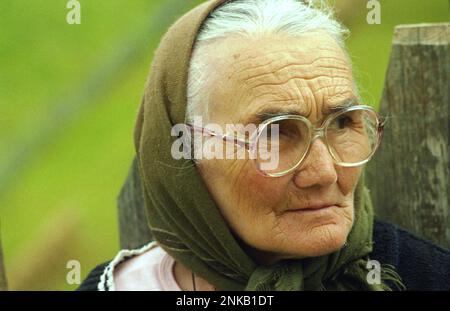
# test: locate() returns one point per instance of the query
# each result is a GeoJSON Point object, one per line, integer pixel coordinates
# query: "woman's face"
{"type": "Point", "coordinates": [310, 75]}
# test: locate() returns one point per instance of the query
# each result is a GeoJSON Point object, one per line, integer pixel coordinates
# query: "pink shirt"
{"type": "Point", "coordinates": [147, 269]}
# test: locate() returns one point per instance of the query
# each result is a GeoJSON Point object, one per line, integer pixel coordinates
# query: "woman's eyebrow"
{"type": "Point", "coordinates": [271, 112]}
{"type": "Point", "coordinates": [341, 106]}
{"type": "Point", "coordinates": [276, 112]}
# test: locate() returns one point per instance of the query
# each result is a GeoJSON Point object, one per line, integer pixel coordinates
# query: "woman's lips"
{"type": "Point", "coordinates": [311, 209]}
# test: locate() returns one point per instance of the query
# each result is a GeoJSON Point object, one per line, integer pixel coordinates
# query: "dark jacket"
{"type": "Point", "coordinates": [421, 264]}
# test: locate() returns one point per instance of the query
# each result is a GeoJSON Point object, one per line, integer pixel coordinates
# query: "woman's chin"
{"type": "Point", "coordinates": [300, 241]}
{"type": "Point", "coordinates": [319, 241]}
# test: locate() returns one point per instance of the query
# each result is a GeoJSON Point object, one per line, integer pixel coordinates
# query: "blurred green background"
{"type": "Point", "coordinates": [69, 95]}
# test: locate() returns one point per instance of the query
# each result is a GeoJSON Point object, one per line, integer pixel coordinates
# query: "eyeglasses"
{"type": "Point", "coordinates": [351, 135]}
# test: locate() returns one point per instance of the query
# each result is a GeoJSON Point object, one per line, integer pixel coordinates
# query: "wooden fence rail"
{"type": "Point", "coordinates": [408, 177]}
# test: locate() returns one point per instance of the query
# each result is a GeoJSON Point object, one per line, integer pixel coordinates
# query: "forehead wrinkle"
{"type": "Point", "coordinates": [266, 53]}
{"type": "Point", "coordinates": [303, 95]}
{"type": "Point", "coordinates": [316, 43]}
{"type": "Point", "coordinates": [331, 66]}
{"type": "Point", "coordinates": [290, 91]}
{"type": "Point", "coordinates": [329, 63]}
{"type": "Point", "coordinates": [335, 93]}
{"type": "Point", "coordinates": [319, 79]}
{"type": "Point", "coordinates": [250, 55]}
{"type": "Point", "coordinates": [241, 71]}
{"type": "Point", "coordinates": [300, 100]}
{"type": "Point", "coordinates": [284, 97]}
{"type": "Point", "coordinates": [246, 55]}
{"type": "Point", "coordinates": [303, 105]}
{"type": "Point", "coordinates": [307, 96]}
{"type": "Point", "coordinates": [296, 71]}
{"type": "Point", "coordinates": [287, 55]}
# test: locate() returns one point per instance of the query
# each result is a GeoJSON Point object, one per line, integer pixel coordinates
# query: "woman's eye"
{"type": "Point", "coordinates": [343, 122]}
{"type": "Point", "coordinates": [289, 133]}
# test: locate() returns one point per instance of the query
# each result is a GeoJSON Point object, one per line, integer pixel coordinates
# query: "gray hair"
{"type": "Point", "coordinates": [252, 18]}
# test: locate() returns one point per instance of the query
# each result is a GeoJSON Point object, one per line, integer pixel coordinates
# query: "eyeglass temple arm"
{"type": "Point", "coordinates": [226, 138]}
{"type": "Point", "coordinates": [382, 122]}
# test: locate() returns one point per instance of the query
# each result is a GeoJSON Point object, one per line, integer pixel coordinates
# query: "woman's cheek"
{"type": "Point", "coordinates": [348, 178]}
{"type": "Point", "coordinates": [265, 190]}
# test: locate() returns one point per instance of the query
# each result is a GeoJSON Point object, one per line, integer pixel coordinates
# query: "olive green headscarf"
{"type": "Point", "coordinates": [182, 215]}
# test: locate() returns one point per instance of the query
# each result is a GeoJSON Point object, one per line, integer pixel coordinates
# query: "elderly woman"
{"type": "Point", "coordinates": [285, 208]}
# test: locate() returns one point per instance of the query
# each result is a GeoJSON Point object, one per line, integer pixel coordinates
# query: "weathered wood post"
{"type": "Point", "coordinates": [3, 283]}
{"type": "Point", "coordinates": [409, 176]}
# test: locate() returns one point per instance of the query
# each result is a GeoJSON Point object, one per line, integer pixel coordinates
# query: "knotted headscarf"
{"type": "Point", "coordinates": [182, 215]}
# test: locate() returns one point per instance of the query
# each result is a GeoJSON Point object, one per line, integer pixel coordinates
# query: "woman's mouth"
{"type": "Point", "coordinates": [309, 209]}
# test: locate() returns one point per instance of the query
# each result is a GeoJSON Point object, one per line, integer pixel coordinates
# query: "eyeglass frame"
{"type": "Point", "coordinates": [316, 132]}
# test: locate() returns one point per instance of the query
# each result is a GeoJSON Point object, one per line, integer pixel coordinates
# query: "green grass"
{"type": "Point", "coordinates": [83, 162]}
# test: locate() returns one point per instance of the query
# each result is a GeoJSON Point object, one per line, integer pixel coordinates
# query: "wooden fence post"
{"type": "Point", "coordinates": [409, 176]}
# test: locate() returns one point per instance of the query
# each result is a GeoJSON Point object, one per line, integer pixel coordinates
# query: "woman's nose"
{"type": "Point", "coordinates": [318, 167]}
